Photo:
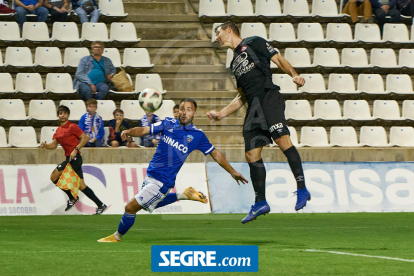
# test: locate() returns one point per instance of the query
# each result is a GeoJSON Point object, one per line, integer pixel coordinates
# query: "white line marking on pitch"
{"type": "Point", "coordinates": [359, 255]}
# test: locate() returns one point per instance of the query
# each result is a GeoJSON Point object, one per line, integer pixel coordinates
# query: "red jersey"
{"type": "Point", "coordinates": [68, 136]}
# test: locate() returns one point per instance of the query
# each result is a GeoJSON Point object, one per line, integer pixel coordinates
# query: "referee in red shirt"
{"type": "Point", "coordinates": [68, 135]}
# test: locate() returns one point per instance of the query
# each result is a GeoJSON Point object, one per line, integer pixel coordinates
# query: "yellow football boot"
{"type": "Point", "coordinates": [194, 195]}
{"type": "Point", "coordinates": [110, 238]}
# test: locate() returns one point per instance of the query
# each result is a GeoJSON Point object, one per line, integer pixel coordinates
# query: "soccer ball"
{"type": "Point", "coordinates": [150, 99]}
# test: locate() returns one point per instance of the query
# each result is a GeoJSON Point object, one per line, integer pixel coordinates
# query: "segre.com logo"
{"type": "Point", "coordinates": [205, 258]}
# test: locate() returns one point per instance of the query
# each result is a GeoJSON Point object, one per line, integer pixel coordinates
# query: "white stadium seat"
{"type": "Point", "coordinates": [46, 134]}
{"type": "Point", "coordinates": [268, 8]}
{"type": "Point", "coordinates": [211, 8]}
{"type": "Point", "coordinates": [285, 82]}
{"type": "Point", "coordinates": [213, 31]}
{"type": "Point", "coordinates": [339, 32]}
{"type": "Point", "coordinates": [44, 110]}
{"type": "Point", "coordinates": [357, 110]}
{"type": "Point", "coordinates": [298, 57]}
{"type": "Point", "coordinates": [166, 110]}
{"type": "Point", "coordinates": [6, 81]}
{"type": "Point", "coordinates": [324, 8]}
{"type": "Point", "coordinates": [253, 29]}
{"type": "Point", "coordinates": [282, 32]}
{"type": "Point", "coordinates": [406, 58]}
{"type": "Point", "coordinates": [72, 56]}
{"type": "Point", "coordinates": [311, 32]}
{"type": "Point", "coordinates": [22, 137]}
{"type": "Point", "coordinates": [143, 81]}
{"type": "Point", "coordinates": [383, 58]}
{"type": "Point", "coordinates": [395, 32]}
{"type": "Point", "coordinates": [13, 109]}
{"type": "Point", "coordinates": [386, 110]}
{"type": "Point", "coordinates": [298, 110]}
{"type": "Point", "coordinates": [314, 137]}
{"type": "Point", "coordinates": [77, 108]}
{"type": "Point", "coordinates": [105, 109]}
{"type": "Point", "coordinates": [1, 59]}
{"type": "Point", "coordinates": [367, 32]}
{"type": "Point", "coordinates": [229, 57]}
{"type": "Point", "coordinates": [114, 55]}
{"type": "Point", "coordinates": [137, 58]}
{"type": "Point", "coordinates": [124, 32]}
{"type": "Point", "coordinates": [29, 83]}
{"type": "Point", "coordinates": [132, 109]}
{"type": "Point", "coordinates": [106, 137]}
{"type": "Point", "coordinates": [408, 109]}
{"type": "Point", "coordinates": [94, 32]}
{"type": "Point", "coordinates": [112, 8]}
{"type": "Point", "coordinates": [296, 7]}
{"type": "Point", "coordinates": [343, 136]}
{"type": "Point", "coordinates": [402, 136]}
{"type": "Point", "coordinates": [18, 57]}
{"type": "Point", "coordinates": [3, 138]}
{"type": "Point", "coordinates": [354, 57]}
{"type": "Point", "coordinates": [48, 57]}
{"type": "Point", "coordinates": [373, 136]}
{"type": "Point", "coordinates": [327, 57]}
{"type": "Point", "coordinates": [65, 32]}
{"type": "Point", "coordinates": [294, 136]}
{"type": "Point", "coordinates": [239, 8]}
{"type": "Point", "coordinates": [327, 110]}
{"type": "Point", "coordinates": [341, 83]}
{"type": "Point", "coordinates": [35, 31]}
{"type": "Point", "coordinates": [314, 83]}
{"type": "Point", "coordinates": [400, 84]}
{"type": "Point", "coordinates": [60, 83]}
{"type": "Point", "coordinates": [9, 31]}
{"type": "Point", "coordinates": [370, 83]}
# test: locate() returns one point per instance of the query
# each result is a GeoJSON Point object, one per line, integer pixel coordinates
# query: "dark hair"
{"type": "Point", "coordinates": [189, 100]}
{"type": "Point", "coordinates": [92, 101]}
{"type": "Point", "coordinates": [117, 110]}
{"type": "Point", "coordinates": [98, 42]}
{"type": "Point", "coordinates": [63, 108]}
{"type": "Point", "coordinates": [231, 25]}
{"type": "Point", "coordinates": [177, 106]}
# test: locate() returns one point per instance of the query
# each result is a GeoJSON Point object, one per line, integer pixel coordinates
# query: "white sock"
{"type": "Point", "coordinates": [118, 236]}
{"type": "Point", "coordinates": [182, 196]}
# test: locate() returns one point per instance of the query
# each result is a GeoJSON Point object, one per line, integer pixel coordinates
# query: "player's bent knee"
{"type": "Point", "coordinates": [114, 144]}
{"type": "Point", "coordinates": [284, 142]}
{"type": "Point", "coordinates": [132, 207]}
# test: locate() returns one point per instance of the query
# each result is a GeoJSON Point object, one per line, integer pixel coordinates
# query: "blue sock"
{"type": "Point", "coordinates": [126, 222]}
{"type": "Point", "coordinates": [170, 198]}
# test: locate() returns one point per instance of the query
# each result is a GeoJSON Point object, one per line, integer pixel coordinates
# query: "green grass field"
{"type": "Point", "coordinates": [66, 245]}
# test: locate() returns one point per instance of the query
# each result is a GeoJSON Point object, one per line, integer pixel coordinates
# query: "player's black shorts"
{"type": "Point", "coordinates": [76, 165]}
{"type": "Point", "coordinates": [265, 119]}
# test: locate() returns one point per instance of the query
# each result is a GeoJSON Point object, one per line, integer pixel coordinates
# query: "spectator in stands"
{"type": "Point", "coordinates": [4, 7]}
{"type": "Point", "coordinates": [92, 125]}
{"type": "Point", "coordinates": [176, 111]}
{"type": "Point", "coordinates": [406, 7]}
{"type": "Point", "coordinates": [58, 10]}
{"type": "Point", "coordinates": [382, 8]}
{"type": "Point", "coordinates": [85, 7]}
{"type": "Point", "coordinates": [93, 74]}
{"type": "Point", "coordinates": [24, 7]}
{"type": "Point", "coordinates": [116, 126]}
{"type": "Point", "coordinates": [149, 140]}
{"type": "Point", "coordinates": [357, 8]}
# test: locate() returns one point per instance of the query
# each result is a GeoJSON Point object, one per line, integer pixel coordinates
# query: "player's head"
{"type": "Point", "coordinates": [176, 110]}
{"type": "Point", "coordinates": [118, 114]}
{"type": "Point", "coordinates": [188, 110]}
{"type": "Point", "coordinates": [225, 32]}
{"type": "Point", "coordinates": [91, 106]}
{"type": "Point", "coordinates": [63, 113]}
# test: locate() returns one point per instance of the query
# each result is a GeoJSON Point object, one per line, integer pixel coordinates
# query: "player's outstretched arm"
{"type": "Point", "coordinates": [135, 132]}
{"type": "Point", "coordinates": [234, 105]}
{"type": "Point", "coordinates": [50, 146]}
{"type": "Point", "coordinates": [222, 161]}
{"type": "Point", "coordinates": [283, 64]}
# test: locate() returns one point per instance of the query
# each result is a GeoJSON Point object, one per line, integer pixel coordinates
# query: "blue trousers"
{"type": "Point", "coordinates": [21, 12]}
{"type": "Point", "coordinates": [85, 91]}
{"type": "Point", "coordinates": [83, 16]}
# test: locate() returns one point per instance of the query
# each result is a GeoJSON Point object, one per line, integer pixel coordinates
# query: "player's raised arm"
{"type": "Point", "coordinates": [222, 161]}
{"type": "Point", "coordinates": [135, 132]}
{"type": "Point", "coordinates": [234, 105]}
{"type": "Point", "coordinates": [50, 146]}
{"type": "Point", "coordinates": [283, 64]}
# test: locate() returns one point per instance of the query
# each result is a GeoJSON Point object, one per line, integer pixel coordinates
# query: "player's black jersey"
{"type": "Point", "coordinates": [251, 66]}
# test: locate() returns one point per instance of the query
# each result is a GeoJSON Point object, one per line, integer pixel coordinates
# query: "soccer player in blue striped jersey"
{"type": "Point", "coordinates": [179, 138]}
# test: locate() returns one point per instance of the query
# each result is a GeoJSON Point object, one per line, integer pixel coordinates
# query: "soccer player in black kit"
{"type": "Point", "coordinates": [265, 116]}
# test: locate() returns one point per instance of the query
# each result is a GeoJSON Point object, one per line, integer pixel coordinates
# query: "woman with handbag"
{"type": "Point", "coordinates": [85, 7]}
{"type": "Point", "coordinates": [93, 74]}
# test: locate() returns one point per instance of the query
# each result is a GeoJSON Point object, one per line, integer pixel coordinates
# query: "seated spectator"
{"type": "Point", "coordinates": [58, 10]}
{"type": "Point", "coordinates": [149, 140]}
{"type": "Point", "coordinates": [176, 111]}
{"type": "Point", "coordinates": [93, 74]}
{"type": "Point", "coordinates": [116, 126]}
{"type": "Point", "coordinates": [24, 7]}
{"type": "Point", "coordinates": [357, 8]}
{"type": "Point", "coordinates": [406, 7]}
{"type": "Point", "coordinates": [92, 124]}
{"type": "Point", "coordinates": [382, 8]}
{"type": "Point", "coordinates": [4, 7]}
{"type": "Point", "coordinates": [83, 11]}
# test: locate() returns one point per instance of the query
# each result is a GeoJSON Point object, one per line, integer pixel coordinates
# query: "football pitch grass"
{"type": "Point", "coordinates": [289, 244]}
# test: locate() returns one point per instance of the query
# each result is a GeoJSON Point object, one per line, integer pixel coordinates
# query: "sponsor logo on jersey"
{"type": "Point", "coordinates": [270, 48]}
{"type": "Point", "coordinates": [173, 143]}
{"type": "Point", "coordinates": [277, 127]}
{"type": "Point", "coordinates": [243, 48]}
{"type": "Point", "coordinates": [190, 138]}
{"type": "Point", "coordinates": [170, 130]}
{"type": "Point", "coordinates": [241, 65]}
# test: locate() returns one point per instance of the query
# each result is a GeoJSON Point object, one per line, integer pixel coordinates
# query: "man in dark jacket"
{"type": "Point", "coordinates": [382, 8]}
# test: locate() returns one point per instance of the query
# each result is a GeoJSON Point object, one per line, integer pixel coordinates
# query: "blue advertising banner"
{"type": "Point", "coordinates": [205, 258]}
{"type": "Point", "coordinates": [335, 187]}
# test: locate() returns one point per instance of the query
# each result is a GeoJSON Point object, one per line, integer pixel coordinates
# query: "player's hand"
{"type": "Point", "coordinates": [238, 177]}
{"type": "Point", "coordinates": [73, 155]}
{"type": "Point", "coordinates": [124, 134]}
{"type": "Point", "coordinates": [299, 80]}
{"type": "Point", "coordinates": [214, 116]}
{"type": "Point", "coordinates": [43, 145]}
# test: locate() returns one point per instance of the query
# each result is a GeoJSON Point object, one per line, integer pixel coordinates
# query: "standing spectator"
{"type": "Point", "coordinates": [92, 125]}
{"type": "Point", "coordinates": [93, 74]}
{"type": "Point", "coordinates": [406, 7]}
{"type": "Point", "coordinates": [382, 8]}
{"type": "Point", "coordinates": [357, 8]}
{"type": "Point", "coordinates": [85, 7]}
{"type": "Point", "coordinates": [116, 126]}
{"type": "Point", "coordinates": [149, 140]}
{"type": "Point", "coordinates": [58, 9]}
{"type": "Point", "coordinates": [4, 7]}
{"type": "Point", "coordinates": [176, 111]}
{"type": "Point", "coordinates": [24, 7]}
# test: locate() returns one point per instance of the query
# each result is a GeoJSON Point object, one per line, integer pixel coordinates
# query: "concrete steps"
{"type": "Point", "coordinates": [155, 7]}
